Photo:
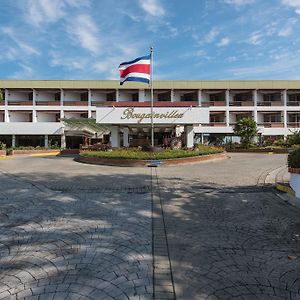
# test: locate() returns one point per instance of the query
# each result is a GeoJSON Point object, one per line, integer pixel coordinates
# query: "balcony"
{"type": "Point", "coordinates": [293, 103]}
{"type": "Point", "coordinates": [293, 124]}
{"type": "Point", "coordinates": [241, 103]}
{"type": "Point", "coordinates": [270, 103]}
{"type": "Point", "coordinates": [75, 103]}
{"type": "Point", "coordinates": [213, 103]}
{"type": "Point", "coordinates": [271, 125]}
{"type": "Point", "coordinates": [148, 104]}
{"type": "Point", "coordinates": [12, 102]}
{"type": "Point", "coordinates": [216, 124]}
{"type": "Point", "coordinates": [48, 103]}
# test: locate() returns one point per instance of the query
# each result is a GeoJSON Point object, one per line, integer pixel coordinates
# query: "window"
{"type": "Point", "coordinates": [164, 96]}
{"type": "Point", "coordinates": [84, 97]}
{"type": "Point", "coordinates": [189, 97]}
{"type": "Point", "coordinates": [294, 97]}
{"type": "Point", "coordinates": [57, 96]}
{"type": "Point", "coordinates": [217, 97]}
{"type": "Point", "coordinates": [111, 97]}
{"type": "Point", "coordinates": [135, 97]}
{"type": "Point", "coordinates": [30, 96]}
{"type": "Point", "coordinates": [243, 97]}
{"type": "Point", "coordinates": [272, 118]}
{"type": "Point", "coordinates": [272, 97]}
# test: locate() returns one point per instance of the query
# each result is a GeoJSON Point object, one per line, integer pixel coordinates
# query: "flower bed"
{"type": "Point", "coordinates": [137, 157]}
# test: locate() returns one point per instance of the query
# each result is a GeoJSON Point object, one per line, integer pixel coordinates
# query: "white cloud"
{"type": "Point", "coordinates": [239, 2]}
{"type": "Point", "coordinates": [224, 42]}
{"type": "Point", "coordinates": [287, 30]}
{"type": "Point", "coordinates": [25, 72]}
{"type": "Point", "coordinates": [292, 3]}
{"type": "Point", "coordinates": [152, 7]}
{"type": "Point", "coordinates": [25, 49]}
{"type": "Point", "coordinates": [255, 38]}
{"type": "Point", "coordinates": [211, 35]}
{"type": "Point", "coordinates": [85, 32]}
{"type": "Point", "coordinates": [38, 12]}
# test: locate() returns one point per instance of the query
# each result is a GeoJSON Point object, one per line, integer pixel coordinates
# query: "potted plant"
{"type": "Point", "coordinates": [2, 149]}
{"type": "Point", "coordinates": [294, 170]}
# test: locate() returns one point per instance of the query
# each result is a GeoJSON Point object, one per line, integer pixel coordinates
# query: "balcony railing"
{"type": "Point", "coordinates": [147, 104]}
{"type": "Point", "coordinates": [46, 103]}
{"type": "Point", "coordinates": [242, 103]}
{"type": "Point", "coordinates": [270, 103]}
{"type": "Point", "coordinates": [12, 102]}
{"type": "Point", "coordinates": [293, 103]}
{"type": "Point", "coordinates": [271, 124]}
{"type": "Point", "coordinates": [75, 103]}
{"type": "Point", "coordinates": [213, 103]}
{"type": "Point", "coordinates": [215, 124]}
{"type": "Point", "coordinates": [293, 124]}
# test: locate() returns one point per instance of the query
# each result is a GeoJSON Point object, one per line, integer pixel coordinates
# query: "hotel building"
{"type": "Point", "coordinates": [33, 113]}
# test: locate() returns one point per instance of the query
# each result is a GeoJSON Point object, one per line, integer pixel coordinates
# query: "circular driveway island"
{"type": "Point", "coordinates": [211, 230]}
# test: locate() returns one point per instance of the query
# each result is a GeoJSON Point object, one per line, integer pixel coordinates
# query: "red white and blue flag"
{"type": "Point", "coordinates": [135, 70]}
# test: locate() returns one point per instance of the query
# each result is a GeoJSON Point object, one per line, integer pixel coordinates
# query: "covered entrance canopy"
{"type": "Point", "coordinates": [135, 123]}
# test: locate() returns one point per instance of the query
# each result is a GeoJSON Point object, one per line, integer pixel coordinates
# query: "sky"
{"type": "Point", "coordinates": [192, 39]}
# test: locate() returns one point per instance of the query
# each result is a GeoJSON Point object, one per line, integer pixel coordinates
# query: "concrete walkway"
{"type": "Point", "coordinates": [212, 231]}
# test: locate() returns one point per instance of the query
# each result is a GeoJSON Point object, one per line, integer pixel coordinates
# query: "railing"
{"type": "Point", "coordinates": [215, 124]}
{"type": "Point", "coordinates": [270, 103]}
{"type": "Point", "coordinates": [12, 102]}
{"type": "Point", "coordinates": [75, 103]}
{"type": "Point", "coordinates": [147, 104]}
{"type": "Point", "coordinates": [271, 124]}
{"type": "Point", "coordinates": [293, 124]}
{"type": "Point", "coordinates": [46, 103]}
{"type": "Point", "coordinates": [293, 103]}
{"type": "Point", "coordinates": [242, 103]}
{"type": "Point", "coordinates": [213, 103]}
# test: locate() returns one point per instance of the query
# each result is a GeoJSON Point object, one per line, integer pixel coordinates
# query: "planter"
{"type": "Point", "coordinates": [2, 152]}
{"type": "Point", "coordinates": [122, 162]}
{"type": "Point", "coordinates": [295, 180]}
{"type": "Point", "coordinates": [32, 151]}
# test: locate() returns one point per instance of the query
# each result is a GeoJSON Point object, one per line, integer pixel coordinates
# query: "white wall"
{"type": "Point", "coordinates": [46, 117]}
{"type": "Point", "coordinates": [17, 96]}
{"type": "Point", "coordinates": [70, 96]}
{"type": "Point", "coordinates": [98, 96]}
{"type": "Point", "coordinates": [19, 117]}
{"type": "Point", "coordinates": [44, 96]}
{"type": "Point", "coordinates": [30, 128]}
{"type": "Point", "coordinates": [124, 96]}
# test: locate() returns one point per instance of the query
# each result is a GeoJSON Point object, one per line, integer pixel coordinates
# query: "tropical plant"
{"type": "Point", "coordinates": [246, 129]}
{"type": "Point", "coordinates": [293, 139]}
{"type": "Point", "coordinates": [294, 159]}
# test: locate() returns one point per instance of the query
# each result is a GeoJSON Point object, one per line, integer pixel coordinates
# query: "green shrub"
{"type": "Point", "coordinates": [2, 146]}
{"type": "Point", "coordinates": [293, 139]}
{"type": "Point", "coordinates": [294, 159]}
{"type": "Point", "coordinates": [135, 153]}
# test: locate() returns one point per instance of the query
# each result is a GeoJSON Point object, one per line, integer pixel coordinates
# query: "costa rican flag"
{"type": "Point", "coordinates": [135, 70]}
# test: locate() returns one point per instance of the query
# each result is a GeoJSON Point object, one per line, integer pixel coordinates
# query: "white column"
{"type": "Point", "coordinates": [141, 95]}
{"type": "Point", "coordinates": [63, 140]}
{"type": "Point", "coordinates": [13, 141]}
{"type": "Point", "coordinates": [199, 97]}
{"type": "Point", "coordinates": [34, 94]}
{"type": "Point", "coordinates": [227, 97]}
{"type": "Point", "coordinates": [227, 115]}
{"type": "Point", "coordinates": [284, 95]}
{"type": "Point", "coordinates": [46, 141]}
{"type": "Point", "coordinates": [34, 116]}
{"type": "Point", "coordinates": [189, 133]}
{"type": "Point", "coordinates": [285, 118]}
{"type": "Point", "coordinates": [89, 103]}
{"type": "Point", "coordinates": [255, 97]}
{"type": "Point", "coordinates": [115, 137]}
{"type": "Point", "coordinates": [172, 95]}
{"type": "Point", "coordinates": [62, 97]}
{"type": "Point", "coordinates": [6, 115]}
{"type": "Point", "coordinates": [117, 95]}
{"type": "Point", "coordinates": [126, 137]}
{"type": "Point", "coordinates": [6, 92]}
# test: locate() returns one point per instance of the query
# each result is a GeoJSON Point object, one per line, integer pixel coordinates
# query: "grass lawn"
{"type": "Point", "coordinates": [134, 153]}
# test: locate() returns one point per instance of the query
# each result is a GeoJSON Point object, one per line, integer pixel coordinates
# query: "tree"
{"type": "Point", "coordinates": [246, 129]}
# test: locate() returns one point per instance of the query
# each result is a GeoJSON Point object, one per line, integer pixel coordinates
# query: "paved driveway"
{"type": "Point", "coordinates": [74, 231]}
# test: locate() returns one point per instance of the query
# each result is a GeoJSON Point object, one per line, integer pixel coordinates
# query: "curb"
{"type": "Point", "coordinates": [143, 163]}
{"type": "Point", "coordinates": [285, 188]}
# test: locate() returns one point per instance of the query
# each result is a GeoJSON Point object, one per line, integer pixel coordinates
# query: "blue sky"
{"type": "Point", "coordinates": [192, 39]}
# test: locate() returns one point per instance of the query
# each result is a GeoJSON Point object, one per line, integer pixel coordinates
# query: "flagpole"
{"type": "Point", "coordinates": [151, 90]}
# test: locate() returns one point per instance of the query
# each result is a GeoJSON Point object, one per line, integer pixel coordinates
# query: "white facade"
{"type": "Point", "coordinates": [35, 108]}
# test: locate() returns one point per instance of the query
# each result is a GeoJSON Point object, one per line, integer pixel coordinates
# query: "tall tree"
{"type": "Point", "coordinates": [246, 129]}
